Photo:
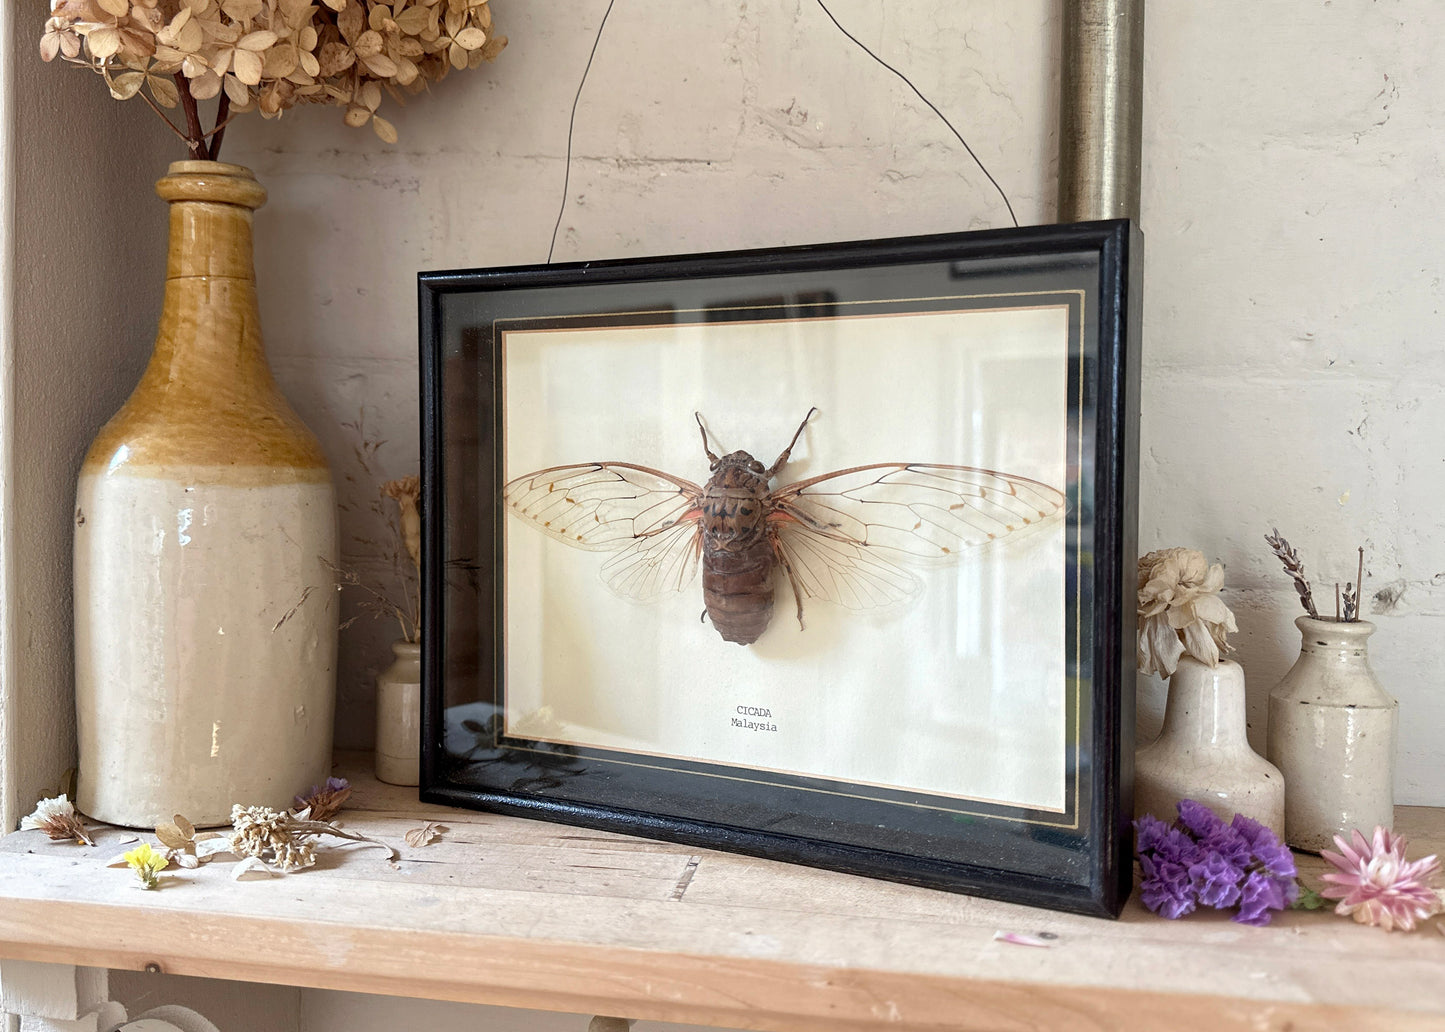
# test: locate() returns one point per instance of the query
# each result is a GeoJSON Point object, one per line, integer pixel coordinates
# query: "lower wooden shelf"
{"type": "Point", "coordinates": [528, 914]}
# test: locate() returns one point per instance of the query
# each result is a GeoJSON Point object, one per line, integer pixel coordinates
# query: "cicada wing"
{"type": "Point", "coordinates": [649, 518]}
{"type": "Point", "coordinates": [917, 512]}
{"type": "Point", "coordinates": [654, 565]}
{"type": "Point", "coordinates": [838, 570]}
{"type": "Point", "coordinates": [601, 506]}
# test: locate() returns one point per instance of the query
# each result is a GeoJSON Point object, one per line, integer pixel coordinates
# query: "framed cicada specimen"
{"type": "Point", "coordinates": [821, 553]}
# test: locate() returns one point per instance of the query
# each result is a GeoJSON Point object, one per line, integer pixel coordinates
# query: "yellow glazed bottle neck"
{"type": "Point", "coordinates": [210, 232]}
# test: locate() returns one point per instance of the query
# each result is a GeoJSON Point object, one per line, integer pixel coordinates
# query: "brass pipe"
{"type": "Point", "coordinates": [1101, 109]}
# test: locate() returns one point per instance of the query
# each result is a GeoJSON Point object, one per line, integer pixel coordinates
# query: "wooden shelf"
{"type": "Point", "coordinates": [529, 914]}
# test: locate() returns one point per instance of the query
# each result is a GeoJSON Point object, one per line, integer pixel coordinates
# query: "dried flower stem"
{"type": "Point", "coordinates": [162, 116]}
{"type": "Point", "coordinates": [223, 112]}
{"type": "Point", "coordinates": [196, 138]}
{"type": "Point", "coordinates": [1295, 567]}
{"type": "Point", "coordinates": [1360, 582]}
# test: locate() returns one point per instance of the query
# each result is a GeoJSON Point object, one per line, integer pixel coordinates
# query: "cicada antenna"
{"type": "Point", "coordinates": [710, 456]}
{"type": "Point", "coordinates": [783, 458]}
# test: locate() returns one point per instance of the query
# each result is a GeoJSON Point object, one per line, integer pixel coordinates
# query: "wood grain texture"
{"type": "Point", "coordinates": [527, 914]}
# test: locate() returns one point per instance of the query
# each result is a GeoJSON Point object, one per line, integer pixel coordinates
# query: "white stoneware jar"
{"type": "Point", "coordinates": [205, 633]}
{"type": "Point", "coordinates": [1202, 752]}
{"type": "Point", "coordinates": [398, 717]}
{"type": "Point", "coordinates": [1332, 731]}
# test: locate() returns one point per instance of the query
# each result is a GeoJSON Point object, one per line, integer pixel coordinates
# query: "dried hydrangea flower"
{"type": "Point", "coordinates": [1180, 611]}
{"type": "Point", "coordinates": [283, 839]}
{"type": "Point", "coordinates": [58, 819]}
{"type": "Point", "coordinates": [147, 865]}
{"type": "Point", "coordinates": [1376, 885]}
{"type": "Point", "coordinates": [269, 55]}
{"type": "Point", "coordinates": [268, 835]}
{"type": "Point", "coordinates": [324, 802]}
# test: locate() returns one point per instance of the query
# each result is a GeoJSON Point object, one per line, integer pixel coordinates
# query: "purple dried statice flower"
{"type": "Point", "coordinates": [1216, 880]}
{"type": "Point", "coordinates": [1167, 888]}
{"type": "Point", "coordinates": [1261, 893]}
{"type": "Point", "coordinates": [1199, 860]}
{"type": "Point", "coordinates": [1268, 851]}
{"type": "Point", "coordinates": [1198, 819]}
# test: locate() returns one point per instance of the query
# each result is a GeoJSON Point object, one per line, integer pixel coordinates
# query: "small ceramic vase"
{"type": "Point", "coordinates": [398, 717]}
{"type": "Point", "coordinates": [1332, 731]}
{"type": "Point", "coordinates": [1202, 752]}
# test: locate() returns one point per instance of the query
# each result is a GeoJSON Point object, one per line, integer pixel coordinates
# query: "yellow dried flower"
{"type": "Point", "coordinates": [147, 864]}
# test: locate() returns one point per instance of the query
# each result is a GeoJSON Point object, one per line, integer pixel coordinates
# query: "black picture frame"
{"type": "Point", "coordinates": [1075, 856]}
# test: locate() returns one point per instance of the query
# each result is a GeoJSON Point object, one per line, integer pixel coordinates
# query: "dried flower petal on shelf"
{"type": "Point", "coordinates": [58, 819]}
{"type": "Point", "coordinates": [251, 867]}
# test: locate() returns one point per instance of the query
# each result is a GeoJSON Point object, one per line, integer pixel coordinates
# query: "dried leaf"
{"type": "Point", "coordinates": [246, 66]}
{"type": "Point", "coordinates": [471, 38]}
{"type": "Point", "coordinates": [126, 85]}
{"type": "Point", "coordinates": [384, 129]}
{"type": "Point", "coordinates": [237, 90]}
{"type": "Point", "coordinates": [187, 860]}
{"type": "Point", "coordinates": [204, 87]}
{"type": "Point", "coordinates": [164, 91]}
{"type": "Point", "coordinates": [415, 20]}
{"type": "Point", "coordinates": [172, 836]}
{"type": "Point", "coordinates": [258, 41]}
{"type": "Point", "coordinates": [425, 835]}
{"type": "Point", "coordinates": [103, 43]}
{"type": "Point", "coordinates": [118, 8]}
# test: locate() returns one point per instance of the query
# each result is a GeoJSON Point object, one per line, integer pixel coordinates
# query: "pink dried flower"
{"type": "Point", "coordinates": [1376, 885]}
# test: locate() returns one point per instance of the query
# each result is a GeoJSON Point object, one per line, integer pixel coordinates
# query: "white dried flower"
{"type": "Point", "coordinates": [58, 819]}
{"type": "Point", "coordinates": [1180, 610]}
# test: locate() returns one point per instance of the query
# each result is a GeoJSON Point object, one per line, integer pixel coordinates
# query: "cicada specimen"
{"type": "Point", "coordinates": [844, 537]}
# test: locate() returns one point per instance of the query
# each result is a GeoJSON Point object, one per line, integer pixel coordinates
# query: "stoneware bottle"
{"type": "Point", "coordinates": [398, 717]}
{"type": "Point", "coordinates": [1332, 731]}
{"type": "Point", "coordinates": [205, 620]}
{"type": "Point", "coordinates": [1203, 752]}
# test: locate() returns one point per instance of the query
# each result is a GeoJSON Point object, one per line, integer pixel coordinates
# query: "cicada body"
{"type": "Point", "coordinates": [839, 537]}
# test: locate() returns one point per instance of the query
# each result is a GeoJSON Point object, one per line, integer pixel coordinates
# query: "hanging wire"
{"type": "Point", "coordinates": [931, 106]}
{"type": "Point", "coordinates": [572, 121]}
{"type": "Point", "coordinates": [571, 124]}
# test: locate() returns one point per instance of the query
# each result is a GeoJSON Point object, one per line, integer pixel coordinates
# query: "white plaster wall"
{"type": "Point", "coordinates": [1294, 369]}
{"type": "Point", "coordinates": [84, 281]}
